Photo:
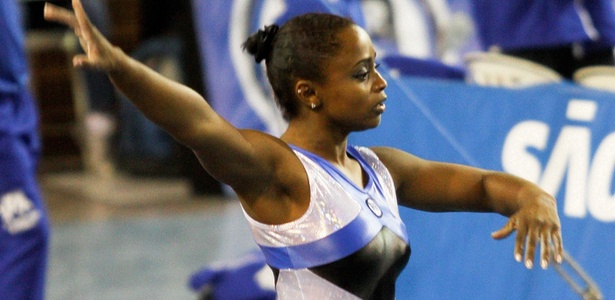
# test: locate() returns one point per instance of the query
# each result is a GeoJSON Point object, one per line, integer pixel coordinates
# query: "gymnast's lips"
{"type": "Point", "coordinates": [380, 106]}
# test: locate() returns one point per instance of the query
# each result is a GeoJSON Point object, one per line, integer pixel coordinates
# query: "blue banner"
{"type": "Point", "coordinates": [236, 87]}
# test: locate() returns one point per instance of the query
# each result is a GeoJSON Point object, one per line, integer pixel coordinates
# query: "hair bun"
{"type": "Point", "coordinates": [260, 43]}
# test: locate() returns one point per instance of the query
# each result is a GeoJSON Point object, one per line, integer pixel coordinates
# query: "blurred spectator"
{"type": "Point", "coordinates": [564, 35]}
{"type": "Point", "coordinates": [100, 119]}
{"type": "Point", "coordinates": [424, 29]}
{"type": "Point", "coordinates": [24, 234]}
{"type": "Point", "coordinates": [168, 35]}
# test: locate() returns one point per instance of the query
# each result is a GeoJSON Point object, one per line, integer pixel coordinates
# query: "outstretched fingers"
{"type": "Point", "coordinates": [545, 250]}
{"type": "Point", "coordinates": [61, 15]}
{"type": "Point", "coordinates": [69, 18]}
{"type": "Point", "coordinates": [506, 231]}
{"type": "Point", "coordinates": [528, 238]}
{"type": "Point", "coordinates": [97, 49]}
{"type": "Point", "coordinates": [83, 20]}
{"type": "Point", "coordinates": [531, 240]}
{"type": "Point", "coordinates": [558, 245]}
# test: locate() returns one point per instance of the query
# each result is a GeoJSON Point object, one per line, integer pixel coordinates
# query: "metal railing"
{"type": "Point", "coordinates": [586, 288]}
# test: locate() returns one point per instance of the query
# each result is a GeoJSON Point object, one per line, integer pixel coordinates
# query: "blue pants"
{"type": "Point", "coordinates": [24, 231]}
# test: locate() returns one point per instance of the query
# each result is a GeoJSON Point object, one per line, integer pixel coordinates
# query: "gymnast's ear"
{"type": "Point", "coordinates": [304, 89]}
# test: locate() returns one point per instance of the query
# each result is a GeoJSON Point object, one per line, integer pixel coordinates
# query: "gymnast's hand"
{"type": "Point", "coordinates": [536, 222]}
{"type": "Point", "coordinates": [99, 52]}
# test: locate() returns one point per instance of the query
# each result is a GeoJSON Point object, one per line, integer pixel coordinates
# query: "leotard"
{"type": "Point", "coordinates": [349, 244]}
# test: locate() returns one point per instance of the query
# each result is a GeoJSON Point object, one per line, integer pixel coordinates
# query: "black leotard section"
{"type": "Point", "coordinates": [371, 272]}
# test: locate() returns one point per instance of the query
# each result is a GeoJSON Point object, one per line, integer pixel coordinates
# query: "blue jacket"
{"type": "Point", "coordinates": [521, 24]}
{"type": "Point", "coordinates": [18, 113]}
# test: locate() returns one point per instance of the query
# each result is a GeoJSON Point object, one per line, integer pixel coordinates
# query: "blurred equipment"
{"type": "Point", "coordinates": [597, 77]}
{"type": "Point", "coordinates": [591, 290]}
{"type": "Point", "coordinates": [244, 278]}
{"type": "Point", "coordinates": [496, 69]}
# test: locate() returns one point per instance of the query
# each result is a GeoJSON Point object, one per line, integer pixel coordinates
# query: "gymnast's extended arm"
{"type": "Point", "coordinates": [441, 187]}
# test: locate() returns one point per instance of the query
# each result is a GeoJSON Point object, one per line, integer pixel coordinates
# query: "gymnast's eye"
{"type": "Point", "coordinates": [362, 75]}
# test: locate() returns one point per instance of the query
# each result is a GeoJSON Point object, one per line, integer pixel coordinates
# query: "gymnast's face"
{"type": "Point", "coordinates": [352, 96]}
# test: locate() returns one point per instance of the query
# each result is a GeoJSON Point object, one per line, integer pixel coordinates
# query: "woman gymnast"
{"type": "Point", "coordinates": [324, 213]}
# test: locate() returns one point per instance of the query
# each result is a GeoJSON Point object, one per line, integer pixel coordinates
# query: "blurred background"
{"type": "Point", "coordinates": [134, 216]}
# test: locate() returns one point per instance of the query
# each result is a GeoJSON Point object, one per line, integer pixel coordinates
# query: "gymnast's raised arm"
{"type": "Point", "coordinates": [246, 160]}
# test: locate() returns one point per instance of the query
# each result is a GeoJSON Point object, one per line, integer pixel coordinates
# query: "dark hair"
{"type": "Point", "coordinates": [298, 49]}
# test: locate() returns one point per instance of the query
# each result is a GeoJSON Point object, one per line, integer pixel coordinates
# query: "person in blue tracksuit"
{"type": "Point", "coordinates": [24, 231]}
{"type": "Point", "coordinates": [564, 35]}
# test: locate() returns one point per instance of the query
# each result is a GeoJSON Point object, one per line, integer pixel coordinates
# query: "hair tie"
{"type": "Point", "coordinates": [265, 42]}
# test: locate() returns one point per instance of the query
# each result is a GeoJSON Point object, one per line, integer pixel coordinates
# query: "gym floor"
{"type": "Point", "coordinates": [135, 238]}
